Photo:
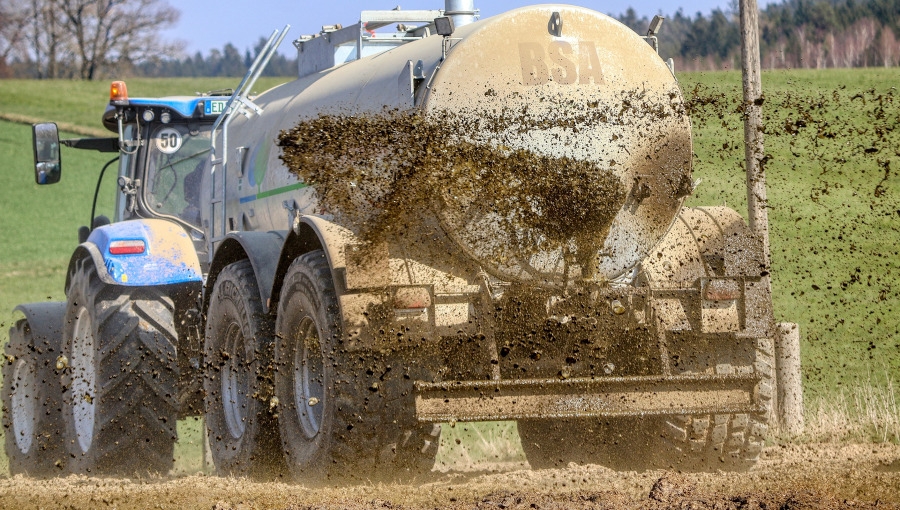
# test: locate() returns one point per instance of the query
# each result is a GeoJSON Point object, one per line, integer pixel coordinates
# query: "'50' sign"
{"type": "Point", "coordinates": [168, 140]}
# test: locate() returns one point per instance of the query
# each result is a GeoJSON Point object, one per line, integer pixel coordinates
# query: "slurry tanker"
{"type": "Point", "coordinates": [441, 220]}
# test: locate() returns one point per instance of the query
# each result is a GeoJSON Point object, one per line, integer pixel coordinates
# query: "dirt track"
{"type": "Point", "coordinates": [792, 477]}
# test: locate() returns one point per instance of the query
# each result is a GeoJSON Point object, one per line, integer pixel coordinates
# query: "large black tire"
{"type": "Point", "coordinates": [343, 416]}
{"type": "Point", "coordinates": [240, 420]}
{"type": "Point", "coordinates": [726, 441]}
{"type": "Point", "coordinates": [32, 402]}
{"type": "Point", "coordinates": [121, 404]}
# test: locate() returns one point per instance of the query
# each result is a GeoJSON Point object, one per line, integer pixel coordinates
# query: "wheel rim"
{"type": "Point", "coordinates": [309, 371]}
{"type": "Point", "coordinates": [24, 404]}
{"type": "Point", "coordinates": [235, 383]}
{"type": "Point", "coordinates": [83, 379]}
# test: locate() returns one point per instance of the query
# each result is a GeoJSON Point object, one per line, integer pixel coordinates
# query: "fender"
{"type": "Point", "coordinates": [167, 257]}
{"type": "Point", "coordinates": [333, 239]}
{"type": "Point", "coordinates": [46, 323]}
{"type": "Point", "coordinates": [366, 278]}
{"type": "Point", "coordinates": [314, 233]}
{"type": "Point", "coordinates": [730, 240]}
{"type": "Point", "coordinates": [263, 250]}
{"type": "Point", "coordinates": [709, 242]}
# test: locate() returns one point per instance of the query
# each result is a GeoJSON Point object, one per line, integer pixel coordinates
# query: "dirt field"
{"type": "Point", "coordinates": [789, 477]}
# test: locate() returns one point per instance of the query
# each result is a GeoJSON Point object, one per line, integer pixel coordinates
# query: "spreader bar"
{"type": "Point", "coordinates": [585, 397]}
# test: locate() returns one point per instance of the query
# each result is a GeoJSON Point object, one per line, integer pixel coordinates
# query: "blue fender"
{"type": "Point", "coordinates": [168, 256]}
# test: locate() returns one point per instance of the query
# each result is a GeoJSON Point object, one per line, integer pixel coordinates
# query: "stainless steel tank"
{"type": "Point", "coordinates": [556, 82]}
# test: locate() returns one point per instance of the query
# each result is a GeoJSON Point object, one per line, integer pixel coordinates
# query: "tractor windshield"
{"type": "Point", "coordinates": [177, 158]}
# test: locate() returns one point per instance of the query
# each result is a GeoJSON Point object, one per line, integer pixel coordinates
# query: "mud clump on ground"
{"type": "Point", "coordinates": [381, 173]}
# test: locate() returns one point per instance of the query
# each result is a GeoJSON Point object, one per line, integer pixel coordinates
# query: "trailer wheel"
{"type": "Point", "coordinates": [343, 416]}
{"type": "Point", "coordinates": [120, 382]}
{"type": "Point", "coordinates": [726, 441]}
{"type": "Point", "coordinates": [31, 404]}
{"type": "Point", "coordinates": [241, 425]}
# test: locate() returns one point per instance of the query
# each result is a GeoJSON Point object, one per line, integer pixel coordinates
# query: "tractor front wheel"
{"type": "Point", "coordinates": [119, 377]}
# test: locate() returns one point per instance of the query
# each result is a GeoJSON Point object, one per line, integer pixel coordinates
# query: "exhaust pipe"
{"type": "Point", "coordinates": [462, 12]}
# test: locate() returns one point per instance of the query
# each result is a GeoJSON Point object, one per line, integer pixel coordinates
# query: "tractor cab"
{"type": "Point", "coordinates": [163, 147]}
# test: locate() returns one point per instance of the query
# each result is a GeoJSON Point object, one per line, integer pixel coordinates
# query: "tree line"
{"type": "Point", "coordinates": [99, 39]}
{"type": "Point", "coordinates": [793, 34]}
{"type": "Point", "coordinates": [229, 61]}
{"type": "Point", "coordinates": [93, 39]}
{"type": "Point", "coordinates": [84, 39]}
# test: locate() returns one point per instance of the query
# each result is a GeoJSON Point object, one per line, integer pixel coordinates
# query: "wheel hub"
{"type": "Point", "coordinates": [309, 385]}
{"type": "Point", "coordinates": [235, 383]}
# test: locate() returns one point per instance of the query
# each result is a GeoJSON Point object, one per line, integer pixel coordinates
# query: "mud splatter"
{"type": "Point", "coordinates": [382, 173]}
{"type": "Point", "coordinates": [519, 182]}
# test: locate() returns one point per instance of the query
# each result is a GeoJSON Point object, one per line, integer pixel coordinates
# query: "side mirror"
{"type": "Point", "coordinates": [47, 164]}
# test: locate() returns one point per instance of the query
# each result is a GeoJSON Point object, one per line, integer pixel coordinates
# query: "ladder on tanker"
{"type": "Point", "coordinates": [239, 102]}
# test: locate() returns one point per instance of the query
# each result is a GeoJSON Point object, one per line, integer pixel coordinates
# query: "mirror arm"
{"type": "Point", "coordinates": [97, 190]}
{"type": "Point", "coordinates": [96, 144]}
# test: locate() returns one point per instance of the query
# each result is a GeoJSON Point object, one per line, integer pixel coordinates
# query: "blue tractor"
{"type": "Point", "coordinates": [94, 384]}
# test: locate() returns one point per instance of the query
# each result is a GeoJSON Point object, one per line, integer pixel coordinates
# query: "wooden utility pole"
{"type": "Point", "coordinates": [788, 415]}
{"type": "Point", "coordinates": [753, 128]}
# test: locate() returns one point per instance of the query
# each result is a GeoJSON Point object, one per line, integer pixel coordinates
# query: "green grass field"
{"type": "Point", "coordinates": [834, 155]}
{"type": "Point", "coordinates": [834, 195]}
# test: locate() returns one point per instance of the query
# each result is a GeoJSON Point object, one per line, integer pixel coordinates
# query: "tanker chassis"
{"type": "Point", "coordinates": [540, 266]}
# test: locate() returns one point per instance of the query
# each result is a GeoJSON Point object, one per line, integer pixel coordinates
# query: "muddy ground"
{"type": "Point", "coordinates": [789, 477]}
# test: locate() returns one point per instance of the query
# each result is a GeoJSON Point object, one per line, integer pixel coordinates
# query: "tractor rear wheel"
{"type": "Point", "coordinates": [31, 404]}
{"type": "Point", "coordinates": [343, 416]}
{"type": "Point", "coordinates": [119, 345]}
{"type": "Point", "coordinates": [241, 425]}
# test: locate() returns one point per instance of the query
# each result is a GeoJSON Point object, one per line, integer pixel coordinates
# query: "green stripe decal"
{"type": "Point", "coordinates": [283, 189]}
{"type": "Point", "coordinates": [273, 192]}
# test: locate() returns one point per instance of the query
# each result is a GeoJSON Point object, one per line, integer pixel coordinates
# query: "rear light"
{"type": "Point", "coordinates": [722, 290]}
{"type": "Point", "coordinates": [130, 247]}
{"type": "Point", "coordinates": [118, 93]}
{"type": "Point", "coordinates": [412, 298]}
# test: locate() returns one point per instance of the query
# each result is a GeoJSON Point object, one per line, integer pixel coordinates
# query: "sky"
{"type": "Point", "coordinates": [208, 24]}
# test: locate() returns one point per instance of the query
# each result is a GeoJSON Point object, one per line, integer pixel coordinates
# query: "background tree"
{"type": "Point", "coordinates": [48, 39]}
{"type": "Point", "coordinates": [82, 38]}
{"type": "Point", "coordinates": [107, 31]}
{"type": "Point", "coordinates": [12, 33]}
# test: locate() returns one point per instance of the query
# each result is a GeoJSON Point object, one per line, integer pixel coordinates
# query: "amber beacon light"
{"type": "Point", "coordinates": [118, 93]}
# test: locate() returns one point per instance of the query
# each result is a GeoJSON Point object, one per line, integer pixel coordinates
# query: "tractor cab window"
{"type": "Point", "coordinates": [177, 158]}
